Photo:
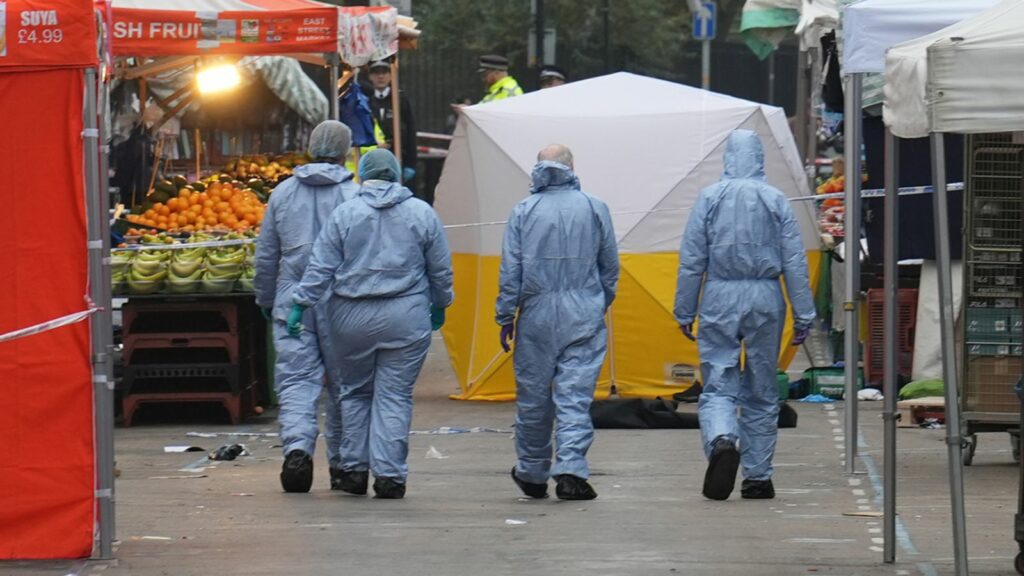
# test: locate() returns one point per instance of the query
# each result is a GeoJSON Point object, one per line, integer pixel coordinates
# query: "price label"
{"type": "Point", "coordinates": [40, 27]}
{"type": "Point", "coordinates": [3, 28]}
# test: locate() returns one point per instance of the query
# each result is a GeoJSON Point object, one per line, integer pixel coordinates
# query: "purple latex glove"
{"type": "Point", "coordinates": [688, 332]}
{"type": "Point", "coordinates": [508, 333]}
{"type": "Point", "coordinates": [799, 335]}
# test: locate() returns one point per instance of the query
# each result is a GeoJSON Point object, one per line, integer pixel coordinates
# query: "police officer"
{"type": "Point", "coordinates": [379, 94]}
{"type": "Point", "coordinates": [552, 76]}
{"type": "Point", "coordinates": [494, 74]}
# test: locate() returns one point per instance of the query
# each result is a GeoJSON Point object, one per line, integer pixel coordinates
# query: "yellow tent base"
{"type": "Point", "coordinates": [647, 355]}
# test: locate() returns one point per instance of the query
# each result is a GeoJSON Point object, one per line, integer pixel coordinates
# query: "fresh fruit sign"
{"type": "Point", "coordinates": [41, 33]}
{"type": "Point", "coordinates": [141, 32]}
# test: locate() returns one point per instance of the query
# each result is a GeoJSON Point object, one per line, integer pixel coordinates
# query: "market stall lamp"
{"type": "Point", "coordinates": [219, 78]}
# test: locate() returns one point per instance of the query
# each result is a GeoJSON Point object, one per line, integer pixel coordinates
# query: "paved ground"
{"type": "Point", "coordinates": [463, 516]}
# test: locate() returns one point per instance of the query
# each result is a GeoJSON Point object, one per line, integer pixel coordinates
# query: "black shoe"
{"type": "Point", "coordinates": [720, 479]}
{"type": "Point", "coordinates": [574, 488]}
{"type": "Point", "coordinates": [297, 472]}
{"type": "Point", "coordinates": [388, 488]}
{"type": "Point", "coordinates": [353, 482]}
{"type": "Point", "coordinates": [529, 488]}
{"type": "Point", "coordinates": [758, 490]}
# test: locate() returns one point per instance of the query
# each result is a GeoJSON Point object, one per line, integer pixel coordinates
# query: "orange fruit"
{"type": "Point", "coordinates": [182, 220]}
{"type": "Point", "coordinates": [200, 222]}
{"type": "Point", "coordinates": [172, 204]}
{"type": "Point", "coordinates": [250, 218]}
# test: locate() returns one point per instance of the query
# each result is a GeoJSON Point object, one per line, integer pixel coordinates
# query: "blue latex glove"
{"type": "Point", "coordinates": [436, 318]}
{"type": "Point", "coordinates": [295, 320]}
{"type": "Point", "coordinates": [508, 333]}
{"type": "Point", "coordinates": [799, 335]}
{"type": "Point", "coordinates": [688, 332]}
{"type": "Point", "coordinates": [408, 173]}
{"type": "Point", "coordinates": [267, 314]}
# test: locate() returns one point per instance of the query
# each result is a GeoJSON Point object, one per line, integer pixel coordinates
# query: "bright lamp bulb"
{"type": "Point", "coordinates": [218, 78]}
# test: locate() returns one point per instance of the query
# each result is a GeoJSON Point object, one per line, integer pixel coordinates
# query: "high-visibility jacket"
{"type": "Point", "coordinates": [507, 87]}
{"type": "Point", "coordinates": [378, 135]}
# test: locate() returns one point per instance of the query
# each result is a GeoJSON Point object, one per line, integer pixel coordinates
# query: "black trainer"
{"type": "Point", "coordinates": [758, 489]}
{"type": "Point", "coordinates": [353, 482]}
{"type": "Point", "coordinates": [571, 487]}
{"type": "Point", "coordinates": [720, 479]}
{"type": "Point", "coordinates": [529, 488]}
{"type": "Point", "coordinates": [297, 472]}
{"type": "Point", "coordinates": [388, 488]}
{"type": "Point", "coordinates": [335, 477]}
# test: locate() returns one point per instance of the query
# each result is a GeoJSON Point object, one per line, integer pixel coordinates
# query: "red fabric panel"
{"type": "Point", "coordinates": [47, 33]}
{"type": "Point", "coordinates": [47, 475]}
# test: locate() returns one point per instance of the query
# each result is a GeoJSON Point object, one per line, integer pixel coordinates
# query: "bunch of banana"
{"type": "Point", "coordinates": [223, 268]}
{"type": "Point", "coordinates": [120, 263]}
{"type": "Point", "coordinates": [148, 271]}
{"type": "Point", "coordinates": [245, 283]}
{"type": "Point", "coordinates": [186, 270]}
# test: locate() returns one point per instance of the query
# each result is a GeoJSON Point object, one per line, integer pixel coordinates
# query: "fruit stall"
{"type": "Point", "coordinates": [183, 259]}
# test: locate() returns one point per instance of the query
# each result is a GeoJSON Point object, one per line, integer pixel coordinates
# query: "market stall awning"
{"type": "Point", "coordinates": [873, 26]}
{"type": "Point", "coordinates": [252, 27]}
{"type": "Point", "coordinates": [55, 34]}
{"type": "Point", "coordinates": [964, 78]}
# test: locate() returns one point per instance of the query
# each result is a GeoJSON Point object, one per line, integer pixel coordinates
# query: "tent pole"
{"type": "Point", "coordinates": [852, 121]}
{"type": "Point", "coordinates": [892, 306]}
{"type": "Point", "coordinates": [101, 330]}
{"type": "Point", "coordinates": [812, 127]}
{"type": "Point", "coordinates": [396, 113]}
{"type": "Point", "coordinates": [954, 440]}
{"type": "Point", "coordinates": [803, 107]}
{"type": "Point", "coordinates": [332, 94]}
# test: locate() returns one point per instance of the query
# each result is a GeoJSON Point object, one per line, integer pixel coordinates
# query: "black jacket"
{"type": "Point", "coordinates": [381, 108]}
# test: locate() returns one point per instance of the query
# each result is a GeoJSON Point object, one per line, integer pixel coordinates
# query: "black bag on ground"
{"type": "Point", "coordinates": [643, 413]}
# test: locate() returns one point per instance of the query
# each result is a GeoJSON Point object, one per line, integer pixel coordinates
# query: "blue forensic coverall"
{"type": "Point", "coordinates": [385, 260]}
{"type": "Point", "coordinates": [298, 209]}
{"type": "Point", "coordinates": [742, 237]}
{"type": "Point", "coordinates": [559, 270]}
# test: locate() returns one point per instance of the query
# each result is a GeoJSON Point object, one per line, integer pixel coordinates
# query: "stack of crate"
{"type": "Point", "coordinates": [993, 285]}
{"type": "Point", "coordinates": [187, 351]}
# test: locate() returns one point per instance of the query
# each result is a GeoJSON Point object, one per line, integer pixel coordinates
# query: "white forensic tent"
{"type": "Point", "coordinates": [648, 163]}
{"type": "Point", "coordinates": [963, 78]}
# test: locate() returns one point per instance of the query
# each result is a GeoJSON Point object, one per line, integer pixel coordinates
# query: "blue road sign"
{"type": "Point", "coordinates": [705, 28]}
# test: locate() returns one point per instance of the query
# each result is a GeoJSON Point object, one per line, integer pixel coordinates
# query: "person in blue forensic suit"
{"type": "Point", "coordinates": [298, 209]}
{"type": "Point", "coordinates": [742, 237]}
{"type": "Point", "coordinates": [559, 270]}
{"type": "Point", "coordinates": [383, 260]}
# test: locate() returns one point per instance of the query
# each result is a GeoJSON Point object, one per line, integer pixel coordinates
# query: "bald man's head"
{"type": "Point", "coordinates": [556, 153]}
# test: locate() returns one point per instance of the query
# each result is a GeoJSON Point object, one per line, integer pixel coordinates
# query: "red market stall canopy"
{"type": "Point", "coordinates": [253, 27]}
{"type": "Point", "coordinates": [47, 34]}
{"type": "Point", "coordinates": [48, 480]}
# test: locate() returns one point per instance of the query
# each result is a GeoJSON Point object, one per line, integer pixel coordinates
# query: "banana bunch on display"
{"type": "Point", "coordinates": [186, 270]}
{"type": "Point", "coordinates": [224, 267]}
{"type": "Point", "coordinates": [148, 271]}
{"type": "Point", "coordinates": [120, 265]}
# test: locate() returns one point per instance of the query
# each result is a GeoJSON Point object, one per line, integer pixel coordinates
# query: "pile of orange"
{"type": "Point", "coordinates": [221, 206]}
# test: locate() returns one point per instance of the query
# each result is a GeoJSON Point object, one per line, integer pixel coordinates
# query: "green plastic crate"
{"type": "Point", "coordinates": [830, 382]}
{"type": "Point", "coordinates": [782, 380]}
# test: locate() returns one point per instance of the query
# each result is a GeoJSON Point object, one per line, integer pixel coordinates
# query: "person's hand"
{"type": "Point", "coordinates": [688, 332]}
{"type": "Point", "coordinates": [295, 320]}
{"type": "Point", "coordinates": [508, 333]}
{"type": "Point", "coordinates": [267, 314]}
{"type": "Point", "coordinates": [408, 173]}
{"type": "Point", "coordinates": [436, 318]}
{"type": "Point", "coordinates": [799, 335]}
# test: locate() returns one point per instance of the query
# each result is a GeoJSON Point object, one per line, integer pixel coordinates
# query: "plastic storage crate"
{"type": "Point", "coordinates": [874, 355]}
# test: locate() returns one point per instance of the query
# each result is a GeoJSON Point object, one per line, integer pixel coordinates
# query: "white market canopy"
{"type": "Point", "coordinates": [964, 78]}
{"type": "Point", "coordinates": [647, 162]}
{"type": "Point", "coordinates": [871, 27]}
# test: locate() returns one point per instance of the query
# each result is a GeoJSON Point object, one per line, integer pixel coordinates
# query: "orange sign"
{"type": "Point", "coordinates": [47, 33]}
{"type": "Point", "coordinates": [140, 32]}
